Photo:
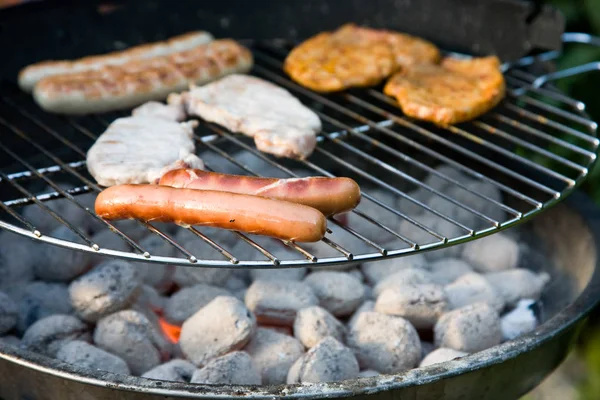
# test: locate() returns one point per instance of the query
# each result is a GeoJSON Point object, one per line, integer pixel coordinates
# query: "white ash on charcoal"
{"type": "Point", "coordinates": [16, 259]}
{"type": "Point", "coordinates": [436, 224]}
{"type": "Point", "coordinates": [406, 276]}
{"type": "Point", "coordinates": [273, 353]}
{"type": "Point", "coordinates": [497, 252]}
{"type": "Point", "coordinates": [368, 373]}
{"type": "Point", "coordinates": [367, 306]}
{"type": "Point", "coordinates": [282, 274]}
{"type": "Point", "coordinates": [45, 222]}
{"type": "Point", "coordinates": [434, 182]}
{"type": "Point", "coordinates": [470, 329]}
{"type": "Point", "coordinates": [475, 203]}
{"type": "Point", "coordinates": [441, 355]}
{"type": "Point", "coordinates": [314, 324]}
{"type": "Point", "coordinates": [517, 284]}
{"type": "Point", "coordinates": [370, 335]}
{"type": "Point", "coordinates": [473, 288]}
{"type": "Point", "coordinates": [338, 292]}
{"type": "Point", "coordinates": [448, 270]}
{"type": "Point", "coordinates": [222, 326]}
{"type": "Point", "coordinates": [355, 272]}
{"type": "Point", "coordinates": [328, 361]}
{"type": "Point", "coordinates": [426, 348]}
{"type": "Point", "coordinates": [47, 335]}
{"type": "Point", "coordinates": [420, 304]}
{"type": "Point", "coordinates": [234, 368]}
{"type": "Point", "coordinates": [377, 271]}
{"type": "Point", "coordinates": [85, 355]}
{"type": "Point", "coordinates": [111, 286]}
{"type": "Point", "coordinates": [10, 340]}
{"type": "Point", "coordinates": [60, 264]}
{"type": "Point", "coordinates": [8, 313]}
{"type": "Point", "coordinates": [187, 301]}
{"type": "Point", "coordinates": [131, 336]}
{"type": "Point", "coordinates": [277, 302]}
{"type": "Point", "coordinates": [149, 297]}
{"type": "Point", "coordinates": [376, 212]}
{"type": "Point", "coordinates": [189, 276]}
{"type": "Point", "coordinates": [36, 300]}
{"type": "Point", "coordinates": [157, 275]}
{"type": "Point", "coordinates": [132, 228]}
{"type": "Point", "coordinates": [106, 239]}
{"type": "Point", "coordinates": [235, 284]}
{"type": "Point", "coordinates": [176, 370]}
{"type": "Point", "coordinates": [519, 321]}
{"type": "Point", "coordinates": [285, 330]}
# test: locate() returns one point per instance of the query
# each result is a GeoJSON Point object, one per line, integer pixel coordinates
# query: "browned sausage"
{"type": "Point", "coordinates": [328, 195]}
{"type": "Point", "coordinates": [239, 212]}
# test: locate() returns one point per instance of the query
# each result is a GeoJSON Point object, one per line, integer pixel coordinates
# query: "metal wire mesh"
{"type": "Point", "coordinates": [424, 187]}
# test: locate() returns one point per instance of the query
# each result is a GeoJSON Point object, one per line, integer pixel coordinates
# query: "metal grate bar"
{"type": "Point", "coordinates": [191, 258]}
{"type": "Point", "coordinates": [46, 209]}
{"type": "Point", "coordinates": [553, 94]}
{"type": "Point", "coordinates": [258, 247]}
{"type": "Point", "coordinates": [409, 178]}
{"type": "Point", "coordinates": [499, 132]}
{"type": "Point", "coordinates": [44, 171]}
{"type": "Point", "coordinates": [151, 228]}
{"type": "Point", "coordinates": [545, 121]}
{"type": "Point", "coordinates": [295, 247]}
{"type": "Point", "coordinates": [62, 192]}
{"type": "Point", "coordinates": [248, 148]}
{"type": "Point", "coordinates": [556, 111]}
{"type": "Point", "coordinates": [386, 207]}
{"type": "Point", "coordinates": [232, 160]}
{"type": "Point", "coordinates": [48, 196]}
{"type": "Point", "coordinates": [245, 168]}
{"type": "Point", "coordinates": [214, 245]}
{"type": "Point", "coordinates": [311, 257]}
{"type": "Point", "coordinates": [412, 143]}
{"type": "Point", "coordinates": [543, 135]}
{"type": "Point", "coordinates": [411, 161]}
{"type": "Point", "coordinates": [405, 123]}
{"type": "Point", "coordinates": [509, 154]}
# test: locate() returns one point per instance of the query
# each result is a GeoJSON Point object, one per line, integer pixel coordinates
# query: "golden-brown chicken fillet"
{"type": "Point", "coordinates": [455, 91]}
{"type": "Point", "coordinates": [354, 56]}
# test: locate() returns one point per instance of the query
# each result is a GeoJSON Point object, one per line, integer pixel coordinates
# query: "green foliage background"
{"type": "Point", "coordinates": [584, 16]}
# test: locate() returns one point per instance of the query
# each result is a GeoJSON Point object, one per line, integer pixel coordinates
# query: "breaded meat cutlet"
{"type": "Point", "coordinates": [455, 91]}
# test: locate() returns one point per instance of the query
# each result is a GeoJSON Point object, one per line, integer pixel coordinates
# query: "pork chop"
{"type": "Point", "coordinates": [458, 90]}
{"type": "Point", "coordinates": [171, 112]}
{"type": "Point", "coordinates": [354, 56]}
{"type": "Point", "coordinates": [141, 150]}
{"type": "Point", "coordinates": [279, 123]}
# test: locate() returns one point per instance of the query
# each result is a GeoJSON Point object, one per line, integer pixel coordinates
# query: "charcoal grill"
{"type": "Point", "coordinates": [537, 147]}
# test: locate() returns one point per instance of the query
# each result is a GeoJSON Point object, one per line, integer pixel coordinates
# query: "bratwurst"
{"type": "Point", "coordinates": [328, 195]}
{"type": "Point", "coordinates": [32, 74]}
{"type": "Point", "coordinates": [238, 212]}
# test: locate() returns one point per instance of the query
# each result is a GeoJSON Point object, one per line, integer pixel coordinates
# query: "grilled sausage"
{"type": "Point", "coordinates": [117, 87]}
{"type": "Point", "coordinates": [32, 74]}
{"type": "Point", "coordinates": [239, 212]}
{"type": "Point", "coordinates": [328, 195]}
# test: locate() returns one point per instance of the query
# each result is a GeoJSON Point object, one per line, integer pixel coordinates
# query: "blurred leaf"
{"type": "Point", "coordinates": [592, 8]}
{"type": "Point", "coordinates": [570, 9]}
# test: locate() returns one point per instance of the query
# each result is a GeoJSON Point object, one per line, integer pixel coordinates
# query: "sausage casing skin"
{"type": "Point", "coordinates": [239, 212]}
{"type": "Point", "coordinates": [328, 195]}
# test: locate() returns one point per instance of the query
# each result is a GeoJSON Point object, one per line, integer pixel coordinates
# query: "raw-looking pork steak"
{"type": "Point", "coordinates": [141, 150]}
{"type": "Point", "coordinates": [279, 123]}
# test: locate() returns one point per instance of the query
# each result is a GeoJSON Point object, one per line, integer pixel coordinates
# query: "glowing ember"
{"type": "Point", "coordinates": [171, 331]}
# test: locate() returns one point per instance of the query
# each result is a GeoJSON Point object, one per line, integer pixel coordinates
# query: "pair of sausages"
{"type": "Point", "coordinates": [288, 209]}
